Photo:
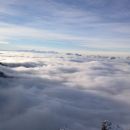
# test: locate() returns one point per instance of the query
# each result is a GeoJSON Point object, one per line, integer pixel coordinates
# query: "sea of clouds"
{"type": "Point", "coordinates": [49, 91]}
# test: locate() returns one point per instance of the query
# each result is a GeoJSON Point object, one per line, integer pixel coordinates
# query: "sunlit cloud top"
{"type": "Point", "coordinates": [86, 25]}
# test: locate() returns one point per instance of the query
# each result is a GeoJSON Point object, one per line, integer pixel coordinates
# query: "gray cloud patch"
{"type": "Point", "coordinates": [68, 69]}
{"type": "Point", "coordinates": [26, 65]}
{"type": "Point", "coordinates": [77, 95]}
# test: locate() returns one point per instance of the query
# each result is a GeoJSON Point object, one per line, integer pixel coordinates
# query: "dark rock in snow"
{"type": "Point", "coordinates": [107, 125]}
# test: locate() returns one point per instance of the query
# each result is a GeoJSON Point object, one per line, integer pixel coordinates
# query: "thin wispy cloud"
{"type": "Point", "coordinates": [67, 20]}
{"type": "Point", "coordinates": [3, 42]}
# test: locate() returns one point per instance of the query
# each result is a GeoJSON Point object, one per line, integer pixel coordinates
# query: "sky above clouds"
{"type": "Point", "coordinates": [85, 25]}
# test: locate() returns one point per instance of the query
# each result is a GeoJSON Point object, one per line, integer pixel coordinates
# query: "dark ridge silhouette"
{"type": "Point", "coordinates": [3, 75]}
{"type": "Point", "coordinates": [2, 64]}
{"type": "Point", "coordinates": [13, 65]}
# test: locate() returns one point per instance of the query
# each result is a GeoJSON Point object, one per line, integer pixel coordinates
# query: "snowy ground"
{"type": "Point", "coordinates": [49, 91]}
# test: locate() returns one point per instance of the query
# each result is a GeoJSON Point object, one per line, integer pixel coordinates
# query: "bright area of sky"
{"type": "Point", "coordinates": [76, 25]}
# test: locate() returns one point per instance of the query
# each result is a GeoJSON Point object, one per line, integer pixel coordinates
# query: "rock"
{"type": "Point", "coordinates": [3, 75]}
{"type": "Point", "coordinates": [107, 125]}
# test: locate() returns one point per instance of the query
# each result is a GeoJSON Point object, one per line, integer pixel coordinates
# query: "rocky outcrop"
{"type": "Point", "coordinates": [3, 75]}
{"type": "Point", "coordinates": [107, 125]}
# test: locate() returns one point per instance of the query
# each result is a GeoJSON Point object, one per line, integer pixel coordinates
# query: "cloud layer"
{"type": "Point", "coordinates": [52, 91]}
{"type": "Point", "coordinates": [93, 25]}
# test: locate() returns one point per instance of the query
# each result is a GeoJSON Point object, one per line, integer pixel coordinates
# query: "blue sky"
{"type": "Point", "coordinates": [84, 25]}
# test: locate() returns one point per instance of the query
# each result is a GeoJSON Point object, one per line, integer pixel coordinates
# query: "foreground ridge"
{"type": "Point", "coordinates": [106, 125]}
